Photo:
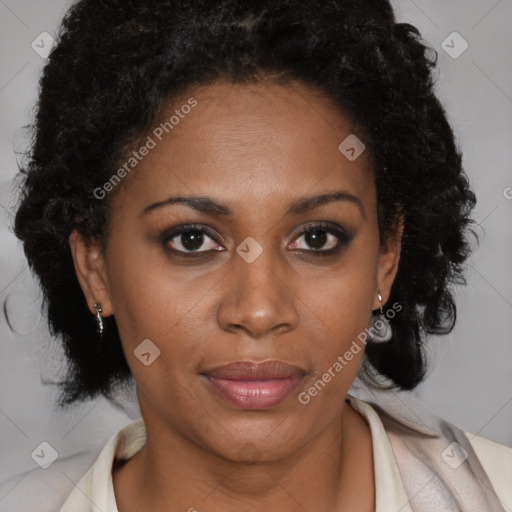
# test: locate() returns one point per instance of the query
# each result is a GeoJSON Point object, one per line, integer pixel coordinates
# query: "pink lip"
{"type": "Point", "coordinates": [252, 385]}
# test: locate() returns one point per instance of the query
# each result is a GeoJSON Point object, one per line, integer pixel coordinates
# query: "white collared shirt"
{"type": "Point", "coordinates": [95, 491]}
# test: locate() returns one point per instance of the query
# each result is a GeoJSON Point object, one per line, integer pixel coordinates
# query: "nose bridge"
{"type": "Point", "coordinates": [257, 297]}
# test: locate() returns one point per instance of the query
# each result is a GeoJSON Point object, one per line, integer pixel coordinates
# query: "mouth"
{"type": "Point", "coordinates": [255, 385]}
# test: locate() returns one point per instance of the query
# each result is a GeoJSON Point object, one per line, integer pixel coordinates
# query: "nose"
{"type": "Point", "coordinates": [258, 298]}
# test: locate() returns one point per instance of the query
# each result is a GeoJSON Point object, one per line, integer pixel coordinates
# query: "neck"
{"type": "Point", "coordinates": [173, 473]}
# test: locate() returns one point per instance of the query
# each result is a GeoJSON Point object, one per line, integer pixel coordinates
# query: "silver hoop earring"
{"type": "Point", "coordinates": [380, 330]}
{"type": "Point", "coordinates": [99, 320]}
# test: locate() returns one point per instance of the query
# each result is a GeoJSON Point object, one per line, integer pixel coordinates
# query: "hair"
{"type": "Point", "coordinates": [118, 63]}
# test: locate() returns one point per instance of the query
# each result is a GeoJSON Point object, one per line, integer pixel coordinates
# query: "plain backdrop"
{"type": "Point", "coordinates": [470, 380]}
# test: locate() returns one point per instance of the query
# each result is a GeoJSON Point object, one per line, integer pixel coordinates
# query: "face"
{"type": "Point", "coordinates": [244, 274]}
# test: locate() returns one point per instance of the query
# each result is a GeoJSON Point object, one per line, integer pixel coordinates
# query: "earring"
{"type": "Point", "coordinates": [380, 330]}
{"type": "Point", "coordinates": [99, 320]}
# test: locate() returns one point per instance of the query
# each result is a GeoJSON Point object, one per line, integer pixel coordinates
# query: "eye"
{"type": "Point", "coordinates": [319, 239]}
{"type": "Point", "coordinates": [324, 238]}
{"type": "Point", "coordinates": [190, 239]}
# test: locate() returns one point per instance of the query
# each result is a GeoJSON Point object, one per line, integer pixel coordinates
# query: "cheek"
{"type": "Point", "coordinates": [345, 301]}
{"type": "Point", "coordinates": [345, 307]}
{"type": "Point", "coordinates": [152, 300]}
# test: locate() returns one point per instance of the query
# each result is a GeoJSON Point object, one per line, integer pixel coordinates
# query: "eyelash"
{"type": "Point", "coordinates": [343, 238]}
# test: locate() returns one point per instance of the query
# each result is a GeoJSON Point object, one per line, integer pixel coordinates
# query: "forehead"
{"type": "Point", "coordinates": [246, 144]}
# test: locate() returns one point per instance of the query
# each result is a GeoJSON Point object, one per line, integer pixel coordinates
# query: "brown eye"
{"type": "Point", "coordinates": [317, 238]}
{"type": "Point", "coordinates": [190, 239]}
{"type": "Point", "coordinates": [321, 239]}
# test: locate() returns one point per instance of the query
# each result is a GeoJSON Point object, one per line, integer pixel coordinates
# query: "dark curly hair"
{"type": "Point", "coordinates": [118, 63]}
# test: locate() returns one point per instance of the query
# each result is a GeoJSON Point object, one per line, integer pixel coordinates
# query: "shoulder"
{"type": "Point", "coordinates": [81, 496]}
{"type": "Point", "coordinates": [420, 441]}
{"type": "Point", "coordinates": [73, 483]}
{"type": "Point", "coordinates": [45, 489]}
{"type": "Point", "coordinates": [496, 460]}
{"type": "Point", "coordinates": [96, 485]}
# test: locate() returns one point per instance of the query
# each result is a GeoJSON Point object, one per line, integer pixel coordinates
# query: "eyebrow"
{"type": "Point", "coordinates": [207, 205]}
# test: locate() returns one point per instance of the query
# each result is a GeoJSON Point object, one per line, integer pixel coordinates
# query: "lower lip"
{"type": "Point", "coordinates": [256, 394]}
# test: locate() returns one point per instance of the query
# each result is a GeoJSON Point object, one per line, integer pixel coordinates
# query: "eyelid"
{"type": "Point", "coordinates": [319, 223]}
{"type": "Point", "coordinates": [328, 226]}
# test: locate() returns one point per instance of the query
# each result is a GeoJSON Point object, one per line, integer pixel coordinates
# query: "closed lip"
{"type": "Point", "coordinates": [254, 370]}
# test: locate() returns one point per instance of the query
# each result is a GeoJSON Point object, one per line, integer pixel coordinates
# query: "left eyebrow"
{"type": "Point", "coordinates": [307, 204]}
{"type": "Point", "coordinates": [207, 205]}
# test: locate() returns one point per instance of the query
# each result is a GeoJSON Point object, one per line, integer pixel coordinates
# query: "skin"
{"type": "Point", "coordinates": [255, 148]}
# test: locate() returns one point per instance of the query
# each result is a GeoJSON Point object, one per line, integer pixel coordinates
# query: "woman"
{"type": "Point", "coordinates": [238, 205]}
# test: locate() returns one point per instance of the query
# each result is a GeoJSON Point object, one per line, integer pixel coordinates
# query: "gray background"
{"type": "Point", "coordinates": [470, 381]}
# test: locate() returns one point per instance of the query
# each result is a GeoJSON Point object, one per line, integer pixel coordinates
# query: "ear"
{"type": "Point", "coordinates": [387, 266]}
{"type": "Point", "coordinates": [91, 272]}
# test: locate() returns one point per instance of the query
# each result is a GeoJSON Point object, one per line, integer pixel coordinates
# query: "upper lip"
{"type": "Point", "coordinates": [252, 370]}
